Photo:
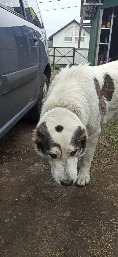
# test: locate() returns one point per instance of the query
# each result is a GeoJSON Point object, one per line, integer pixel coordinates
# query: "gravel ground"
{"type": "Point", "coordinates": [41, 218]}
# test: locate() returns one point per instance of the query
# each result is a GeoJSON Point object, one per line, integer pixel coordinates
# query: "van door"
{"type": "Point", "coordinates": [19, 62]}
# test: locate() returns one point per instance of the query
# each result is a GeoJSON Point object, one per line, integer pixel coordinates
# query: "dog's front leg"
{"type": "Point", "coordinates": [85, 162]}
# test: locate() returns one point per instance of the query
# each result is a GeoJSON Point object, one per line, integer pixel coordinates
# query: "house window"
{"type": "Point", "coordinates": [77, 35]}
{"type": "Point", "coordinates": [68, 39]}
{"type": "Point", "coordinates": [76, 39]}
{"type": "Point", "coordinates": [82, 37]}
{"type": "Point", "coordinates": [68, 35]}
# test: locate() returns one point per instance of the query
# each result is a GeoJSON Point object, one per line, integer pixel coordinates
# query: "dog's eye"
{"type": "Point", "coordinates": [52, 155]}
{"type": "Point", "coordinates": [73, 153]}
{"type": "Point", "coordinates": [83, 140]}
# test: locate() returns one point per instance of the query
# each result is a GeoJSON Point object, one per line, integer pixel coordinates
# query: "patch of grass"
{"type": "Point", "coordinates": [110, 133]}
{"type": "Point", "coordinates": [108, 142]}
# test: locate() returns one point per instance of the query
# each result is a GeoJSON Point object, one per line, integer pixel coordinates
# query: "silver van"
{"type": "Point", "coordinates": [24, 65]}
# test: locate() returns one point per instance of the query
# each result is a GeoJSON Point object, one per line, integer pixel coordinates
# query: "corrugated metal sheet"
{"type": "Point", "coordinates": [110, 3]}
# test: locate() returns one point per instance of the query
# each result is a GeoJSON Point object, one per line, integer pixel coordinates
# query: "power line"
{"type": "Point", "coordinates": [55, 9]}
{"type": "Point", "coordinates": [50, 1]}
{"type": "Point", "coordinates": [54, 1]}
{"type": "Point", "coordinates": [47, 1]}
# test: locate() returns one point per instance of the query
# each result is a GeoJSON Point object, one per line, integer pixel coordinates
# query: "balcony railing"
{"type": "Point", "coordinates": [92, 2]}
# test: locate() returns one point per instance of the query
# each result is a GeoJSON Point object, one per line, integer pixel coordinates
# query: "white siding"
{"type": "Point", "coordinates": [58, 39]}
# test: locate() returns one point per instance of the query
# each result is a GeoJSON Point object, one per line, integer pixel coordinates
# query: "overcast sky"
{"type": "Point", "coordinates": [56, 19]}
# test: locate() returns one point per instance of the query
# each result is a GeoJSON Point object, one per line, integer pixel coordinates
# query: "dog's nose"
{"type": "Point", "coordinates": [66, 182]}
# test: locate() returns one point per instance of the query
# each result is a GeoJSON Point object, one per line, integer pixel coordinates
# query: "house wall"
{"type": "Point", "coordinates": [58, 39]}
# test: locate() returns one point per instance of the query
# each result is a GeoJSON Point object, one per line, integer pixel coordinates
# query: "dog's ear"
{"type": "Point", "coordinates": [39, 137]}
{"type": "Point", "coordinates": [42, 139]}
{"type": "Point", "coordinates": [79, 138]}
{"type": "Point", "coordinates": [39, 132]}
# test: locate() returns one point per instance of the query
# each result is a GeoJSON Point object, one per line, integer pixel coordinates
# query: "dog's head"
{"type": "Point", "coordinates": [62, 142]}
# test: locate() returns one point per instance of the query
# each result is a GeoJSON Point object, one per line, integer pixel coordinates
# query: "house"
{"type": "Point", "coordinates": [104, 30]}
{"type": "Point", "coordinates": [68, 36]}
{"type": "Point", "coordinates": [63, 45]}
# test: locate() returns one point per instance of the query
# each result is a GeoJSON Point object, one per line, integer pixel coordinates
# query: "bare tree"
{"type": "Point", "coordinates": [81, 23]}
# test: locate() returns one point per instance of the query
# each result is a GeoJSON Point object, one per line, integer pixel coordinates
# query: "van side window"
{"type": "Point", "coordinates": [13, 5]}
{"type": "Point", "coordinates": [35, 13]}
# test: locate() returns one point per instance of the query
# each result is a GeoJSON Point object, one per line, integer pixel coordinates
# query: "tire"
{"type": "Point", "coordinates": [34, 114]}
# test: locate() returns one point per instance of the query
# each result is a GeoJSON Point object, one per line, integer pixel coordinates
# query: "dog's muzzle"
{"type": "Point", "coordinates": [66, 182]}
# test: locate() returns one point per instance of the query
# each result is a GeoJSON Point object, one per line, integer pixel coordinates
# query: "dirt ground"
{"type": "Point", "coordinates": [41, 218]}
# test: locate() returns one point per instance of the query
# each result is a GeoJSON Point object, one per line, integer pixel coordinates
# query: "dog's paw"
{"type": "Point", "coordinates": [83, 179]}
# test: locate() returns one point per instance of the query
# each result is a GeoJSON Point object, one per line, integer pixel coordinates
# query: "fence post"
{"type": "Point", "coordinates": [54, 58]}
{"type": "Point", "coordinates": [73, 55]}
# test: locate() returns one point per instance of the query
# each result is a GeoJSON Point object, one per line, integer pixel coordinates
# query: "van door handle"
{"type": "Point", "coordinates": [35, 40]}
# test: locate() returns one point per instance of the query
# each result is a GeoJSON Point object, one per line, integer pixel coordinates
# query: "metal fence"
{"type": "Point", "coordinates": [62, 56]}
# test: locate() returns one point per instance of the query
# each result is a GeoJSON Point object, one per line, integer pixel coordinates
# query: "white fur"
{"type": "Point", "coordinates": [72, 101]}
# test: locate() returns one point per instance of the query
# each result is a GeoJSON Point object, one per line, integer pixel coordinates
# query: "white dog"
{"type": "Point", "coordinates": [80, 100]}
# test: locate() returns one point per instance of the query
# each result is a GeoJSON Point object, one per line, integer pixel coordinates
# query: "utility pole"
{"type": "Point", "coordinates": [81, 23]}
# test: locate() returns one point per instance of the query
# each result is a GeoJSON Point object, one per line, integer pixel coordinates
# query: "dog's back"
{"type": "Point", "coordinates": [81, 88]}
{"type": "Point", "coordinates": [110, 89]}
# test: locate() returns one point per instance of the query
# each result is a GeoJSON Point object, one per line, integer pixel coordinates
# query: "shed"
{"type": "Point", "coordinates": [103, 46]}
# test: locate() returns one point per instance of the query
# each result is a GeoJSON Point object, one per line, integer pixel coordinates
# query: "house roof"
{"type": "Point", "coordinates": [87, 28]}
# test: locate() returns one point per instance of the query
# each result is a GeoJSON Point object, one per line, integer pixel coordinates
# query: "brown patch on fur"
{"type": "Point", "coordinates": [108, 87]}
{"type": "Point", "coordinates": [102, 104]}
{"type": "Point", "coordinates": [79, 138]}
{"type": "Point", "coordinates": [59, 128]}
{"type": "Point", "coordinates": [43, 139]}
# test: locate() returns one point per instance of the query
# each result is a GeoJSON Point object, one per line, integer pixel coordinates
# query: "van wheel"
{"type": "Point", "coordinates": [34, 114]}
